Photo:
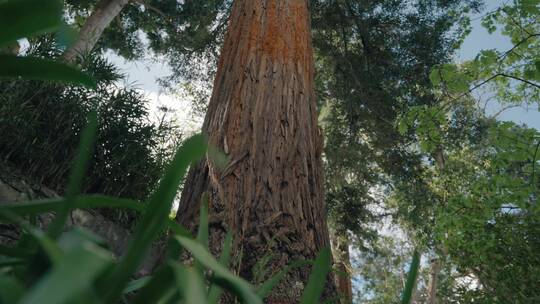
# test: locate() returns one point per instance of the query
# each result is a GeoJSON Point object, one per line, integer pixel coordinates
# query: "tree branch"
{"type": "Point", "coordinates": [520, 79]}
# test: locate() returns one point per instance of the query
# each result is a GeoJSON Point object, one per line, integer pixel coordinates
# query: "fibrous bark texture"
{"type": "Point", "coordinates": [262, 114]}
{"type": "Point", "coordinates": [97, 22]}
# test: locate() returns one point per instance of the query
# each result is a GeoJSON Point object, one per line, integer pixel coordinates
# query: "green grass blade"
{"type": "Point", "coordinates": [136, 284]}
{"type": "Point", "coordinates": [84, 154]}
{"type": "Point", "coordinates": [202, 233]}
{"type": "Point", "coordinates": [215, 291]}
{"type": "Point", "coordinates": [265, 288]}
{"type": "Point", "coordinates": [317, 278]}
{"type": "Point", "coordinates": [73, 275]}
{"type": "Point", "coordinates": [155, 216]}
{"type": "Point", "coordinates": [411, 278]}
{"type": "Point", "coordinates": [222, 276]}
{"type": "Point", "coordinates": [51, 249]}
{"type": "Point", "coordinates": [11, 289]}
{"type": "Point", "coordinates": [24, 18]}
{"type": "Point", "coordinates": [35, 207]}
{"type": "Point", "coordinates": [190, 283]}
{"type": "Point", "coordinates": [9, 262]}
{"type": "Point", "coordinates": [32, 68]}
{"type": "Point", "coordinates": [159, 286]}
{"type": "Point", "coordinates": [13, 252]}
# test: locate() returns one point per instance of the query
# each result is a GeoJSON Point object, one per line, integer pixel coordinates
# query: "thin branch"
{"type": "Point", "coordinates": [518, 44]}
{"type": "Point", "coordinates": [494, 116]}
{"type": "Point", "coordinates": [536, 85]}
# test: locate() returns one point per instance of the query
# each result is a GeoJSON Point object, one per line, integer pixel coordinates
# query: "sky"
{"type": "Point", "coordinates": [144, 74]}
{"type": "Point", "coordinates": [480, 39]}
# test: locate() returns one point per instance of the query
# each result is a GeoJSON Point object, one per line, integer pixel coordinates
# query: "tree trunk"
{"type": "Point", "coordinates": [435, 266]}
{"type": "Point", "coordinates": [263, 115]}
{"type": "Point", "coordinates": [99, 20]}
{"type": "Point", "coordinates": [434, 270]}
{"type": "Point", "coordinates": [342, 262]}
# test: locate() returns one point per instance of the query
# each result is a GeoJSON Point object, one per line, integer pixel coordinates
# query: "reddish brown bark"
{"type": "Point", "coordinates": [263, 115]}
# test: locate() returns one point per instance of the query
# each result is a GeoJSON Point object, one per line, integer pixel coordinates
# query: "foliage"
{"type": "Point", "coordinates": [19, 20]}
{"type": "Point", "coordinates": [159, 26]}
{"type": "Point", "coordinates": [382, 271]}
{"type": "Point", "coordinates": [40, 116]}
{"type": "Point", "coordinates": [483, 176]}
{"type": "Point", "coordinates": [511, 76]}
{"type": "Point", "coordinates": [490, 223]}
{"type": "Point", "coordinates": [373, 60]}
{"type": "Point", "coordinates": [184, 33]}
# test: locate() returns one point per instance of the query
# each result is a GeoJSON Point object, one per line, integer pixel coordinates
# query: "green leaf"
{"type": "Point", "coordinates": [84, 153]}
{"type": "Point", "coordinates": [42, 69]}
{"type": "Point", "coordinates": [218, 157]}
{"type": "Point", "coordinates": [202, 233]}
{"type": "Point", "coordinates": [435, 77]}
{"type": "Point", "coordinates": [403, 126]}
{"type": "Point", "coordinates": [317, 278]}
{"type": "Point", "coordinates": [265, 288]}
{"type": "Point", "coordinates": [11, 289]}
{"type": "Point", "coordinates": [74, 274]}
{"type": "Point", "coordinates": [54, 253]}
{"type": "Point", "coordinates": [14, 252]}
{"type": "Point", "coordinates": [222, 275]}
{"type": "Point", "coordinates": [411, 278]}
{"type": "Point", "coordinates": [530, 6]}
{"type": "Point", "coordinates": [136, 284]}
{"type": "Point", "coordinates": [8, 261]}
{"type": "Point", "coordinates": [155, 216]}
{"type": "Point", "coordinates": [24, 18]}
{"type": "Point", "coordinates": [190, 283]}
{"type": "Point", "coordinates": [77, 237]}
{"type": "Point", "coordinates": [215, 291]}
{"type": "Point", "coordinates": [35, 207]}
{"type": "Point", "coordinates": [161, 285]}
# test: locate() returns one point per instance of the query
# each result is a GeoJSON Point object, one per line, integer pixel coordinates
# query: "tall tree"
{"type": "Point", "coordinates": [374, 60]}
{"type": "Point", "coordinates": [263, 115]}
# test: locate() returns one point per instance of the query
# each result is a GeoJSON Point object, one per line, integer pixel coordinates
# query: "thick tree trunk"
{"type": "Point", "coordinates": [99, 20]}
{"type": "Point", "coordinates": [342, 261]}
{"type": "Point", "coordinates": [263, 115]}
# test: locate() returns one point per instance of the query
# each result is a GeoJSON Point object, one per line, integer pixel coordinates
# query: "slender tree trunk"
{"type": "Point", "coordinates": [99, 20]}
{"type": "Point", "coordinates": [342, 262]}
{"type": "Point", "coordinates": [434, 270]}
{"type": "Point", "coordinates": [263, 115]}
{"type": "Point", "coordinates": [435, 265]}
